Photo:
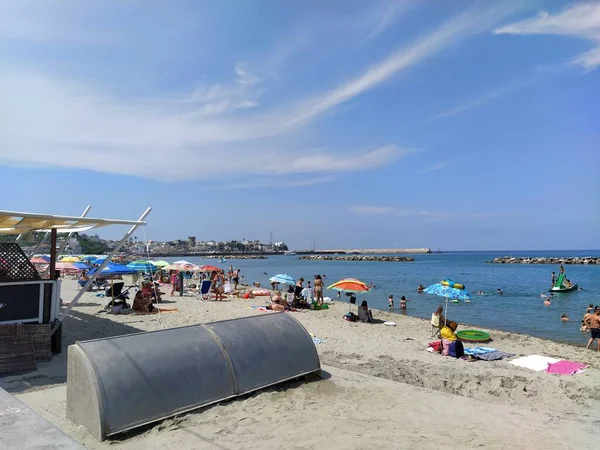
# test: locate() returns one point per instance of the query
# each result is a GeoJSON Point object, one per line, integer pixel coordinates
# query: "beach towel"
{"type": "Point", "coordinates": [534, 362]}
{"type": "Point", "coordinates": [478, 350]}
{"type": "Point", "coordinates": [493, 356]}
{"type": "Point", "coordinates": [156, 311]}
{"type": "Point", "coordinates": [566, 367]}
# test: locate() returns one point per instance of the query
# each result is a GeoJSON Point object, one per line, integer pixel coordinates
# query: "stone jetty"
{"type": "Point", "coordinates": [240, 256]}
{"type": "Point", "coordinates": [546, 260]}
{"type": "Point", "coordinates": [358, 258]}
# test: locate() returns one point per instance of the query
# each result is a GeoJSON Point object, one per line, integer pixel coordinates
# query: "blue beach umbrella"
{"type": "Point", "coordinates": [282, 278]}
{"type": "Point", "coordinates": [142, 266]}
{"type": "Point", "coordinates": [99, 261]}
{"type": "Point", "coordinates": [115, 269]}
{"type": "Point", "coordinates": [80, 265]}
{"type": "Point", "coordinates": [449, 289]}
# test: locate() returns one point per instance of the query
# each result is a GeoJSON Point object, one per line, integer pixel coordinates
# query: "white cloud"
{"type": "Point", "coordinates": [581, 20]}
{"type": "Point", "coordinates": [436, 167]}
{"type": "Point", "coordinates": [273, 182]}
{"type": "Point", "coordinates": [485, 98]}
{"type": "Point", "coordinates": [221, 130]}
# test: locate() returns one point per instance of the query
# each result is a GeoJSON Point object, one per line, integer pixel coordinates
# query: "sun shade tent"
{"type": "Point", "coordinates": [117, 384]}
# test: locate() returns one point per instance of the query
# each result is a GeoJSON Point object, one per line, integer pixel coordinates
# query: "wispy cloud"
{"type": "Point", "coordinates": [471, 22]}
{"type": "Point", "coordinates": [581, 20]}
{"type": "Point", "coordinates": [436, 167]}
{"type": "Point", "coordinates": [422, 214]}
{"type": "Point", "coordinates": [388, 13]}
{"type": "Point", "coordinates": [221, 130]}
{"type": "Point", "coordinates": [495, 93]}
{"type": "Point", "coordinates": [272, 182]}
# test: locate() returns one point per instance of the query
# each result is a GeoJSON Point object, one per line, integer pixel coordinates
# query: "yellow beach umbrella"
{"type": "Point", "coordinates": [70, 259]}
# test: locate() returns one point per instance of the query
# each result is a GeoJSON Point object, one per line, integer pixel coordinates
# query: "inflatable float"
{"type": "Point", "coordinates": [473, 336]}
{"type": "Point", "coordinates": [452, 284]}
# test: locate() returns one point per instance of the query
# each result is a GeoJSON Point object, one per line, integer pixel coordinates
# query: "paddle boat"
{"type": "Point", "coordinates": [562, 284]}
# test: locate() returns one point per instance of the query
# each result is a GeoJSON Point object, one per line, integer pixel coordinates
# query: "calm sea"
{"type": "Point", "coordinates": [520, 309]}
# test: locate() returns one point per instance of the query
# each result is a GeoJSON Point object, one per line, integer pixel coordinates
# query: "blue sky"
{"type": "Point", "coordinates": [454, 125]}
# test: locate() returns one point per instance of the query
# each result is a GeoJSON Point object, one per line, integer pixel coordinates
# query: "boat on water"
{"type": "Point", "coordinates": [222, 260]}
{"type": "Point", "coordinates": [289, 253]}
{"type": "Point", "coordinates": [563, 284]}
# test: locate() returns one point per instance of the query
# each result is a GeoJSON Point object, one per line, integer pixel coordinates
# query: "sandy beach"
{"type": "Point", "coordinates": [380, 388]}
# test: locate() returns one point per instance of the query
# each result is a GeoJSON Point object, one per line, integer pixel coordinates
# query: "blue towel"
{"type": "Point", "coordinates": [479, 351]}
{"type": "Point", "coordinates": [493, 356]}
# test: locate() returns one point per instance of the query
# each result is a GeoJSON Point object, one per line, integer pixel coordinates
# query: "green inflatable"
{"type": "Point", "coordinates": [473, 336]}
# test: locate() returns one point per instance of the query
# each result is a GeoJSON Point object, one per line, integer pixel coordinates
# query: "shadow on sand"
{"type": "Point", "coordinates": [77, 326]}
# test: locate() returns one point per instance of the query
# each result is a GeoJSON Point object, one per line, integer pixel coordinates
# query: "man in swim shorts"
{"type": "Point", "coordinates": [592, 321]}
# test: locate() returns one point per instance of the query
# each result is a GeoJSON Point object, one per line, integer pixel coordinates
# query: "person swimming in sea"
{"type": "Point", "coordinates": [480, 292]}
{"type": "Point", "coordinates": [564, 317]}
{"type": "Point", "coordinates": [421, 288]}
{"type": "Point", "coordinates": [391, 301]}
{"type": "Point", "coordinates": [499, 291]}
{"type": "Point", "coordinates": [403, 302]}
{"type": "Point", "coordinates": [547, 302]}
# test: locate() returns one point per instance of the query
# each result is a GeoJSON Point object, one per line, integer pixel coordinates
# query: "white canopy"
{"type": "Point", "coordinates": [12, 222]}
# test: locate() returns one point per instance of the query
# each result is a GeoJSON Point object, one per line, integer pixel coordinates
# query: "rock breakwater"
{"type": "Point", "coordinates": [358, 258]}
{"type": "Point", "coordinates": [241, 256]}
{"type": "Point", "coordinates": [546, 260]}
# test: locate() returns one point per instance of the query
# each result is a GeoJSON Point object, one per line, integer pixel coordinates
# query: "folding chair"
{"type": "Point", "coordinates": [204, 292]}
{"type": "Point", "coordinates": [435, 326]}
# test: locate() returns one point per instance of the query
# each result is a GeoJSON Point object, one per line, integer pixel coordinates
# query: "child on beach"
{"type": "Point", "coordinates": [391, 302]}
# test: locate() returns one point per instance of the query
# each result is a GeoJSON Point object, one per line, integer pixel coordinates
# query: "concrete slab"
{"type": "Point", "coordinates": [23, 428]}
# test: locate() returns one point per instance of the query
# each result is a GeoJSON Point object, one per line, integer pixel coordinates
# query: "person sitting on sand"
{"type": "Point", "coordinates": [150, 291]}
{"type": "Point", "coordinates": [564, 317]}
{"type": "Point", "coordinates": [364, 313]}
{"type": "Point", "coordinates": [318, 283]}
{"type": "Point", "coordinates": [391, 301]}
{"type": "Point", "coordinates": [142, 303]}
{"type": "Point", "coordinates": [593, 323]}
{"type": "Point", "coordinates": [403, 302]}
{"type": "Point", "coordinates": [277, 303]}
{"type": "Point", "coordinates": [421, 288]}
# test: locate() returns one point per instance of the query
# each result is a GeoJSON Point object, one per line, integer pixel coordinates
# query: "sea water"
{"type": "Point", "coordinates": [520, 309]}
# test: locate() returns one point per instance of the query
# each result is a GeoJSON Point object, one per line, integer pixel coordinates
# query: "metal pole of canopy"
{"type": "Point", "coordinates": [64, 243]}
{"type": "Point", "coordinates": [98, 271]}
{"type": "Point", "coordinates": [53, 254]}
{"type": "Point", "coordinates": [39, 244]}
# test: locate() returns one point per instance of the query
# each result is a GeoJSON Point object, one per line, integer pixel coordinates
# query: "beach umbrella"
{"type": "Point", "coordinates": [209, 268]}
{"type": "Point", "coordinates": [69, 259]}
{"type": "Point", "coordinates": [282, 278]}
{"type": "Point", "coordinates": [46, 257]}
{"type": "Point", "coordinates": [99, 261]}
{"type": "Point", "coordinates": [81, 266]}
{"type": "Point", "coordinates": [350, 285]}
{"type": "Point", "coordinates": [114, 269]}
{"type": "Point", "coordinates": [159, 263]}
{"type": "Point", "coordinates": [449, 289]}
{"type": "Point", "coordinates": [38, 261]}
{"type": "Point", "coordinates": [142, 266]}
{"type": "Point", "coordinates": [66, 267]}
{"type": "Point", "coordinates": [182, 262]}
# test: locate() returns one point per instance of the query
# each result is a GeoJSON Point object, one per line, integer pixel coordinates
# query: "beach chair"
{"type": "Point", "coordinates": [204, 292]}
{"type": "Point", "coordinates": [435, 326]}
{"type": "Point", "coordinates": [289, 298]}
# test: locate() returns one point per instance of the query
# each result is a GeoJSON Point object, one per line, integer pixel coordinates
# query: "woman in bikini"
{"type": "Point", "coordinates": [318, 288]}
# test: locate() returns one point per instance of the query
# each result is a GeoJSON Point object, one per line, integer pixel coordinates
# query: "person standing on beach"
{"type": "Point", "coordinates": [230, 273]}
{"type": "Point", "coordinates": [236, 278]}
{"type": "Point", "coordinates": [593, 323]}
{"type": "Point", "coordinates": [318, 290]}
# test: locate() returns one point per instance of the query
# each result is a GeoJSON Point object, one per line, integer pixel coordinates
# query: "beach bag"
{"type": "Point", "coordinates": [350, 317]}
{"type": "Point", "coordinates": [446, 347]}
{"type": "Point", "coordinates": [457, 349]}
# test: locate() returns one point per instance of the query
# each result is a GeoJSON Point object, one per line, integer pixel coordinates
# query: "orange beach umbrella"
{"type": "Point", "coordinates": [350, 285]}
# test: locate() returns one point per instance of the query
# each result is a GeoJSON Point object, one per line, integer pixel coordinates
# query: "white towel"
{"type": "Point", "coordinates": [534, 362]}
